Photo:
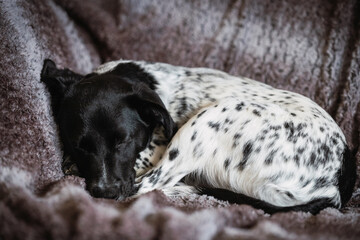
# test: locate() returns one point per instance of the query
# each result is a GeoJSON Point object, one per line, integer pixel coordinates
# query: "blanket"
{"type": "Point", "coordinates": [309, 47]}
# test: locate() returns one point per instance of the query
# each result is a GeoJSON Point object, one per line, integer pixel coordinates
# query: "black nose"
{"type": "Point", "coordinates": [104, 191]}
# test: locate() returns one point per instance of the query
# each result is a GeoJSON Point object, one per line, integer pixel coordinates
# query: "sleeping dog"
{"type": "Point", "coordinates": [238, 139]}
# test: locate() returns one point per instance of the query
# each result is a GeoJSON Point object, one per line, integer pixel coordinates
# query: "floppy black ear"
{"type": "Point", "coordinates": [151, 109]}
{"type": "Point", "coordinates": [57, 81]}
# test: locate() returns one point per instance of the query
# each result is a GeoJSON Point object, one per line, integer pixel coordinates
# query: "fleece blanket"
{"type": "Point", "coordinates": [310, 47]}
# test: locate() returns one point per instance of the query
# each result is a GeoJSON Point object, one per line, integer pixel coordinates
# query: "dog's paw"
{"type": "Point", "coordinates": [69, 167]}
{"type": "Point", "coordinates": [180, 191]}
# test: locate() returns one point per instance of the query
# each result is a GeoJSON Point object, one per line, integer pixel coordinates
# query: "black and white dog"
{"type": "Point", "coordinates": [238, 139]}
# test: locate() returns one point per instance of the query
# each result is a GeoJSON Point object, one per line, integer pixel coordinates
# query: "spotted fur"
{"type": "Point", "coordinates": [244, 136]}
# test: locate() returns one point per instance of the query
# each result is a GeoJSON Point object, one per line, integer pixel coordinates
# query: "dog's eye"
{"type": "Point", "coordinates": [121, 144]}
{"type": "Point", "coordinates": [87, 144]}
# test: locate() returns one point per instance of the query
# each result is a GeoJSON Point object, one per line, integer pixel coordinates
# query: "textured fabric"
{"type": "Point", "coordinates": [309, 47]}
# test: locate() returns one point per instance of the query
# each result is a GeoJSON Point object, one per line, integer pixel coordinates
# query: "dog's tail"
{"type": "Point", "coordinates": [347, 176]}
{"type": "Point", "coordinates": [314, 206]}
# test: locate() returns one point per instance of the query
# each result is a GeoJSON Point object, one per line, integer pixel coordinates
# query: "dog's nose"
{"type": "Point", "coordinates": [104, 192]}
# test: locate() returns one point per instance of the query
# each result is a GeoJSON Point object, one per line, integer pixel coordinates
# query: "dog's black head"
{"type": "Point", "coordinates": [105, 120]}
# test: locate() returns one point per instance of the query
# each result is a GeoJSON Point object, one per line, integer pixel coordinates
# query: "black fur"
{"type": "Point", "coordinates": [314, 207]}
{"type": "Point", "coordinates": [105, 121]}
{"type": "Point", "coordinates": [347, 176]}
{"type": "Point", "coordinates": [107, 118]}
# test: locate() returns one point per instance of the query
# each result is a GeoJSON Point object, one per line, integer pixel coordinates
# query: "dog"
{"type": "Point", "coordinates": [131, 127]}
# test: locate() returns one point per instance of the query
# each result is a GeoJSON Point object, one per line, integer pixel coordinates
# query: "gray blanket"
{"type": "Point", "coordinates": [310, 47]}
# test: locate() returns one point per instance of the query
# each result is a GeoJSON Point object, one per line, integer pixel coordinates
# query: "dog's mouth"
{"type": "Point", "coordinates": [117, 191]}
{"type": "Point", "coordinates": [131, 194]}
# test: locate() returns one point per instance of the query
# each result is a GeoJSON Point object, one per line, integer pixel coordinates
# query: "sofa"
{"type": "Point", "coordinates": [309, 47]}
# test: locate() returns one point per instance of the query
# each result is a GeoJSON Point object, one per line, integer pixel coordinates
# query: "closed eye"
{"type": "Point", "coordinates": [121, 144]}
{"type": "Point", "coordinates": [87, 144]}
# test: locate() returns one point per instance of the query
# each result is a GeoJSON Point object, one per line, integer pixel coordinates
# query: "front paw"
{"type": "Point", "coordinates": [69, 167]}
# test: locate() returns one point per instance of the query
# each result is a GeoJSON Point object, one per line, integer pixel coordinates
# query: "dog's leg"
{"type": "Point", "coordinates": [169, 171]}
{"type": "Point", "coordinates": [149, 158]}
{"type": "Point", "coordinates": [180, 190]}
{"type": "Point", "coordinates": [179, 160]}
{"type": "Point", "coordinates": [69, 167]}
{"type": "Point", "coordinates": [184, 155]}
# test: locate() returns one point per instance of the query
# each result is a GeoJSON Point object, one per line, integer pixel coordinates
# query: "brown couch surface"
{"type": "Point", "coordinates": [309, 47]}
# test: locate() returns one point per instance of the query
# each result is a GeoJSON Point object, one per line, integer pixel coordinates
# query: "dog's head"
{"type": "Point", "coordinates": [105, 121]}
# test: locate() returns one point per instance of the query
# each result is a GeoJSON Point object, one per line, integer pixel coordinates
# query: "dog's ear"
{"type": "Point", "coordinates": [57, 81]}
{"type": "Point", "coordinates": [151, 109]}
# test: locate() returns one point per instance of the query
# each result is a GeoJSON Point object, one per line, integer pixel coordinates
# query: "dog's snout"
{"type": "Point", "coordinates": [110, 192]}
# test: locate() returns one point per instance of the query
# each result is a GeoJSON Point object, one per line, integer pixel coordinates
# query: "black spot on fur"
{"type": "Point", "coordinates": [239, 106]}
{"type": "Point", "coordinates": [301, 126]}
{"type": "Point", "coordinates": [307, 182]}
{"type": "Point", "coordinates": [173, 154]}
{"type": "Point", "coordinates": [247, 150]}
{"type": "Point", "coordinates": [215, 126]}
{"type": "Point", "coordinates": [327, 152]}
{"type": "Point", "coordinates": [258, 106]}
{"type": "Point", "coordinates": [197, 151]}
{"type": "Point", "coordinates": [237, 136]}
{"type": "Point", "coordinates": [245, 123]}
{"type": "Point", "coordinates": [285, 158]}
{"type": "Point", "coordinates": [168, 180]}
{"type": "Point", "coordinates": [300, 150]}
{"type": "Point", "coordinates": [290, 130]}
{"type": "Point", "coordinates": [275, 128]}
{"type": "Point", "coordinates": [256, 113]}
{"type": "Point", "coordinates": [269, 159]}
{"type": "Point", "coordinates": [271, 144]}
{"type": "Point", "coordinates": [151, 147]}
{"type": "Point", "coordinates": [297, 160]}
{"type": "Point", "coordinates": [275, 136]}
{"type": "Point", "coordinates": [210, 87]}
{"type": "Point", "coordinates": [289, 194]}
{"type": "Point", "coordinates": [200, 114]}
{"type": "Point", "coordinates": [215, 151]}
{"type": "Point", "coordinates": [226, 163]}
{"type": "Point", "coordinates": [321, 182]}
{"type": "Point", "coordinates": [183, 107]}
{"type": "Point", "coordinates": [193, 137]}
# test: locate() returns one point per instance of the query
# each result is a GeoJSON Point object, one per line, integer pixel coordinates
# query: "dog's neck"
{"type": "Point", "coordinates": [164, 79]}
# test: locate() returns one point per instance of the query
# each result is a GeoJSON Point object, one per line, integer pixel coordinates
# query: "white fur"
{"type": "Point", "coordinates": [262, 108]}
